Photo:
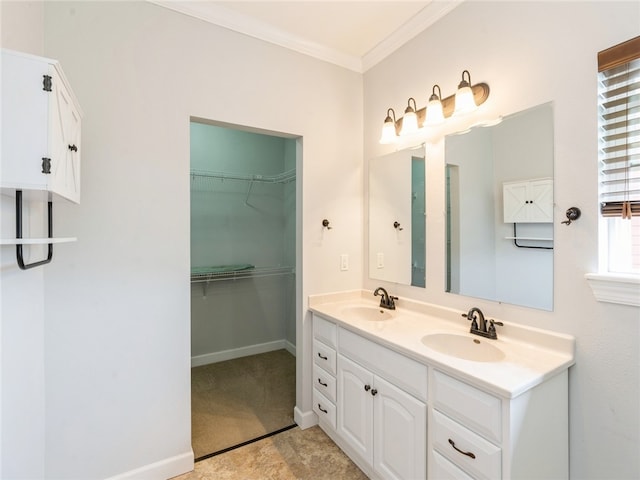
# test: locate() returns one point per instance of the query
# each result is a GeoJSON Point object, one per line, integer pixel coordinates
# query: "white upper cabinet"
{"type": "Point", "coordinates": [528, 201]}
{"type": "Point", "coordinates": [41, 131]}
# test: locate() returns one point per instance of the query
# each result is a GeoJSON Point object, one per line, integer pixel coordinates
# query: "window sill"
{"type": "Point", "coordinates": [615, 288]}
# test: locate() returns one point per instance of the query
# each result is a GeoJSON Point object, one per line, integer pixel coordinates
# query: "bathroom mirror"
{"type": "Point", "coordinates": [397, 249]}
{"type": "Point", "coordinates": [499, 210]}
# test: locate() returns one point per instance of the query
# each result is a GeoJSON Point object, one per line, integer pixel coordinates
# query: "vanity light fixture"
{"type": "Point", "coordinates": [465, 102]}
{"type": "Point", "coordinates": [466, 99]}
{"type": "Point", "coordinates": [435, 114]}
{"type": "Point", "coordinates": [410, 119]}
{"type": "Point", "coordinates": [389, 134]}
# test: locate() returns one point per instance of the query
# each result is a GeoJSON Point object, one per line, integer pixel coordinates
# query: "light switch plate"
{"type": "Point", "coordinates": [344, 262]}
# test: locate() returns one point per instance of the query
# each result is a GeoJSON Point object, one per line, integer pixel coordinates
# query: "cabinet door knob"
{"type": "Point", "coordinates": [321, 382]}
{"type": "Point", "coordinates": [322, 409]}
{"type": "Point", "coordinates": [367, 388]}
{"type": "Point", "coordinates": [374, 392]}
{"type": "Point", "coordinates": [468, 454]}
{"type": "Point", "coordinates": [73, 148]}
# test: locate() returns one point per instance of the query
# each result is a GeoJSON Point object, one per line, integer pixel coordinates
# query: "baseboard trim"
{"type": "Point", "coordinates": [167, 468]}
{"type": "Point", "coordinates": [290, 347]}
{"type": "Point", "coordinates": [214, 357]}
{"type": "Point", "coordinates": [304, 419]}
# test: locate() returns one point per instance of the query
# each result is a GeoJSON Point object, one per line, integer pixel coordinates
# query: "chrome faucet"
{"type": "Point", "coordinates": [386, 300]}
{"type": "Point", "coordinates": [479, 324]}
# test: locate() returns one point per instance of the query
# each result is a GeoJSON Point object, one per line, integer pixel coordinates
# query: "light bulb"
{"type": "Point", "coordinates": [465, 103]}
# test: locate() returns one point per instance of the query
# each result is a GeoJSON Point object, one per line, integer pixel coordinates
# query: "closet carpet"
{"type": "Point", "coordinates": [242, 399]}
{"type": "Point", "coordinates": [294, 454]}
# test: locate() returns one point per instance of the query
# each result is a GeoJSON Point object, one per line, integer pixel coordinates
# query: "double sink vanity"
{"type": "Point", "coordinates": [409, 393]}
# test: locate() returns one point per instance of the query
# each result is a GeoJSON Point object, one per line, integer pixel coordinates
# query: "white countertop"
{"type": "Point", "coordinates": [531, 355]}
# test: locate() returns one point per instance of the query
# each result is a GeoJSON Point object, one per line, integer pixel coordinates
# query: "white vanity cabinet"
{"type": "Point", "coordinates": [475, 434]}
{"type": "Point", "coordinates": [528, 201]}
{"type": "Point", "coordinates": [40, 127]}
{"type": "Point", "coordinates": [324, 371]}
{"type": "Point", "coordinates": [371, 402]}
{"type": "Point", "coordinates": [385, 425]}
{"type": "Point", "coordinates": [402, 416]}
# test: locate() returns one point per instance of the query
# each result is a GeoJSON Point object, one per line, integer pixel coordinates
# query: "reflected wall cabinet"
{"type": "Point", "coordinates": [40, 128]}
{"type": "Point", "coordinates": [528, 201]}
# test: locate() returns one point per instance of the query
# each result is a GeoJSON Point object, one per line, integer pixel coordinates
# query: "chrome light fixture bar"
{"type": "Point", "coordinates": [466, 99]}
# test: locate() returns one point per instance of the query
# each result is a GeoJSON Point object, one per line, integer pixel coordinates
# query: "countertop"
{"type": "Point", "coordinates": [531, 355]}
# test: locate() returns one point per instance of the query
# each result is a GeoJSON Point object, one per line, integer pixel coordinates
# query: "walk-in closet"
{"type": "Point", "coordinates": [243, 260]}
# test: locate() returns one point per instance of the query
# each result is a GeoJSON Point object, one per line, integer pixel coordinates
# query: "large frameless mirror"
{"type": "Point", "coordinates": [499, 210]}
{"type": "Point", "coordinates": [397, 249]}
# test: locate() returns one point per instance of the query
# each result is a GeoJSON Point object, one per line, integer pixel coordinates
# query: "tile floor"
{"type": "Point", "coordinates": [294, 454]}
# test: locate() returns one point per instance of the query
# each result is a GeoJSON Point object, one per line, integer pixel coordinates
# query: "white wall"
{"type": "Point", "coordinates": [116, 321]}
{"type": "Point", "coordinates": [22, 403]}
{"type": "Point", "coordinates": [390, 184]}
{"type": "Point", "coordinates": [473, 155]}
{"type": "Point", "coordinates": [531, 53]}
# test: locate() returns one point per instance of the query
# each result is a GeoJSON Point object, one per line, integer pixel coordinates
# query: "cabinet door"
{"type": "Point", "coordinates": [64, 141]}
{"type": "Point", "coordinates": [400, 433]}
{"type": "Point", "coordinates": [24, 122]}
{"type": "Point", "coordinates": [355, 407]}
{"type": "Point", "coordinates": [515, 202]}
{"type": "Point", "coordinates": [541, 201]}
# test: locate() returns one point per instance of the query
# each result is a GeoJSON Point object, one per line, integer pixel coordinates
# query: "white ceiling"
{"type": "Point", "coordinates": [352, 34]}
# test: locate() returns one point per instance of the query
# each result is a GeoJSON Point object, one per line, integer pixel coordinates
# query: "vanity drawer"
{"type": "Point", "coordinates": [324, 383]}
{"type": "Point", "coordinates": [325, 410]}
{"type": "Point", "coordinates": [443, 469]}
{"type": "Point", "coordinates": [452, 439]}
{"type": "Point", "coordinates": [409, 375]}
{"type": "Point", "coordinates": [324, 356]}
{"type": "Point", "coordinates": [474, 408]}
{"type": "Point", "coordinates": [324, 330]}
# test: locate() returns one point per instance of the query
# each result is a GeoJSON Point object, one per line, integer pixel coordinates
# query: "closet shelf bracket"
{"type": "Point", "coordinates": [246, 200]}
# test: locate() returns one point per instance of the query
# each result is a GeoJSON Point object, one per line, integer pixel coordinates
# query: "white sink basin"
{"type": "Point", "coordinates": [362, 312]}
{"type": "Point", "coordinates": [464, 346]}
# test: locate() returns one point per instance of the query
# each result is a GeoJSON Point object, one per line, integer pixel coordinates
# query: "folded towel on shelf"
{"type": "Point", "coordinates": [217, 269]}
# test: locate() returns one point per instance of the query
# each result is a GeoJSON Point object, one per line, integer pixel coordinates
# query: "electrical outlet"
{"type": "Point", "coordinates": [344, 262]}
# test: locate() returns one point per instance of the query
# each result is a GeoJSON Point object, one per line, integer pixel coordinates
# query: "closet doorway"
{"type": "Point", "coordinates": [243, 288]}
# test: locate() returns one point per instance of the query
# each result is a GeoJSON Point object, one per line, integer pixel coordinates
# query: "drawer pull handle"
{"type": "Point", "coordinates": [322, 356]}
{"type": "Point", "coordinates": [468, 454]}
{"type": "Point", "coordinates": [322, 383]}
{"type": "Point", "coordinates": [322, 409]}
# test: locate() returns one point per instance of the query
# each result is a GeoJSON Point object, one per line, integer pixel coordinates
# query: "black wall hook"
{"type": "Point", "coordinates": [572, 213]}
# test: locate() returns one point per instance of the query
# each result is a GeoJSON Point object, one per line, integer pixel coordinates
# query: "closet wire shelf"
{"type": "Point", "coordinates": [284, 177]}
{"type": "Point", "coordinates": [201, 179]}
{"type": "Point", "coordinates": [254, 272]}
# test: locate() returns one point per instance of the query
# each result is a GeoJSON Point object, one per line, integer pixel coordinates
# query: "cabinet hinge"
{"type": "Point", "coordinates": [46, 165]}
{"type": "Point", "coordinates": [46, 83]}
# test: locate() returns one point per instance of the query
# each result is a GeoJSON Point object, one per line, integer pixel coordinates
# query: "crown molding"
{"type": "Point", "coordinates": [426, 17]}
{"type": "Point", "coordinates": [238, 22]}
{"type": "Point", "coordinates": [247, 25]}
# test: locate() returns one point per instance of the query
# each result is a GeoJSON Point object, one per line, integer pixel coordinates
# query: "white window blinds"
{"type": "Point", "coordinates": [619, 127]}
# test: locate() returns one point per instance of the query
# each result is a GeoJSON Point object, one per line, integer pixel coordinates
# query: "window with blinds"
{"type": "Point", "coordinates": [619, 152]}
